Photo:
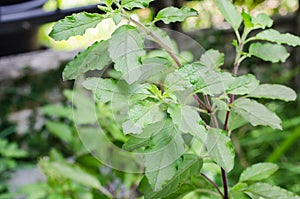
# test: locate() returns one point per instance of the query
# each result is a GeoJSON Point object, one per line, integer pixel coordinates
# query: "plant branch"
{"type": "Point", "coordinates": [212, 112]}
{"type": "Point", "coordinates": [225, 183]}
{"type": "Point", "coordinates": [169, 51]}
{"type": "Point", "coordinates": [225, 127]}
{"type": "Point", "coordinates": [157, 39]}
{"type": "Point", "coordinates": [200, 110]}
{"type": "Point", "coordinates": [213, 184]}
{"type": "Point", "coordinates": [202, 104]}
{"type": "Point", "coordinates": [223, 172]}
{"type": "Point", "coordinates": [239, 58]}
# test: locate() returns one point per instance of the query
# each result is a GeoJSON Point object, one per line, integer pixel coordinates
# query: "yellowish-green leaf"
{"type": "Point", "coordinates": [75, 24]}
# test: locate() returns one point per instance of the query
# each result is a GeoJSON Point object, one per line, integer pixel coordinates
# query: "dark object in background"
{"type": "Point", "coordinates": [20, 21]}
{"type": "Point", "coordinates": [22, 37]}
{"type": "Point", "coordinates": [15, 6]}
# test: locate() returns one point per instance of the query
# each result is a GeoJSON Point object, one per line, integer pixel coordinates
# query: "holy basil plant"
{"type": "Point", "coordinates": [168, 105]}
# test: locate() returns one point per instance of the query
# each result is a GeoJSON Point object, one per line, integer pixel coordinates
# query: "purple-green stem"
{"type": "Point", "coordinates": [238, 60]}
{"type": "Point", "coordinates": [213, 183]}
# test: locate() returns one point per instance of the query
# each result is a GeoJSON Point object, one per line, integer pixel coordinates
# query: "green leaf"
{"type": "Point", "coordinates": [205, 80]}
{"type": "Point", "coordinates": [187, 119]}
{"type": "Point", "coordinates": [58, 111]}
{"type": "Point", "coordinates": [274, 91]}
{"type": "Point", "coordinates": [10, 150]}
{"type": "Point", "coordinates": [82, 108]}
{"type": "Point", "coordinates": [220, 148]}
{"type": "Point", "coordinates": [262, 21]}
{"type": "Point", "coordinates": [247, 20]}
{"type": "Point", "coordinates": [141, 115]}
{"type": "Point", "coordinates": [160, 159]}
{"type": "Point", "coordinates": [143, 139]}
{"type": "Point", "coordinates": [155, 69]}
{"type": "Point", "coordinates": [95, 57]}
{"type": "Point", "coordinates": [126, 46]}
{"type": "Point", "coordinates": [82, 177]}
{"type": "Point", "coordinates": [173, 14]}
{"type": "Point", "coordinates": [163, 36]}
{"type": "Point", "coordinates": [212, 59]}
{"type": "Point", "coordinates": [130, 4]}
{"type": "Point", "coordinates": [213, 83]}
{"type": "Point", "coordinates": [269, 52]}
{"type": "Point", "coordinates": [257, 172]}
{"type": "Point", "coordinates": [103, 89]}
{"type": "Point", "coordinates": [275, 36]}
{"type": "Point", "coordinates": [239, 186]}
{"type": "Point", "coordinates": [75, 24]}
{"type": "Point", "coordinates": [176, 82]}
{"type": "Point", "coordinates": [268, 191]}
{"type": "Point", "coordinates": [230, 13]}
{"type": "Point", "coordinates": [256, 113]}
{"type": "Point", "coordinates": [243, 85]}
{"type": "Point", "coordinates": [220, 104]}
{"type": "Point", "coordinates": [107, 2]}
{"type": "Point", "coordinates": [108, 90]}
{"type": "Point", "coordinates": [32, 191]}
{"type": "Point", "coordinates": [116, 16]}
{"type": "Point", "coordinates": [61, 130]}
{"type": "Point", "coordinates": [190, 166]}
{"type": "Point", "coordinates": [235, 120]}
{"type": "Point", "coordinates": [238, 195]}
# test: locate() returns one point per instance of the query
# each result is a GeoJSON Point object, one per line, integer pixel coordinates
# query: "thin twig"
{"type": "Point", "coordinates": [212, 113]}
{"type": "Point", "coordinates": [213, 184]}
{"type": "Point", "coordinates": [157, 39]}
{"type": "Point", "coordinates": [202, 104]}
